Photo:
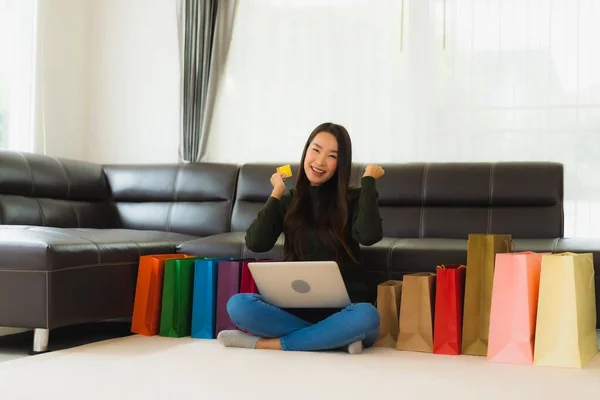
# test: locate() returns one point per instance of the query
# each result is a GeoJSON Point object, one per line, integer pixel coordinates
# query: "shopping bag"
{"type": "Point", "coordinates": [388, 305]}
{"type": "Point", "coordinates": [247, 284]}
{"type": "Point", "coordinates": [449, 294]}
{"type": "Point", "coordinates": [148, 293]}
{"type": "Point", "coordinates": [228, 285]}
{"type": "Point", "coordinates": [514, 307]}
{"type": "Point", "coordinates": [566, 318]}
{"type": "Point", "coordinates": [205, 298]}
{"type": "Point", "coordinates": [416, 313]}
{"type": "Point", "coordinates": [481, 256]}
{"type": "Point", "coordinates": [176, 312]}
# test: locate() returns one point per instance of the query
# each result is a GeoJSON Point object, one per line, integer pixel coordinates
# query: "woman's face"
{"type": "Point", "coordinates": [321, 158]}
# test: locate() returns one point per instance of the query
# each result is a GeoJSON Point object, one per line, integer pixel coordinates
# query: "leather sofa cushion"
{"type": "Point", "coordinates": [194, 199]}
{"type": "Point", "coordinates": [29, 248]}
{"type": "Point", "coordinates": [19, 210]}
{"type": "Point", "coordinates": [36, 175]}
{"type": "Point", "coordinates": [472, 184]}
{"type": "Point", "coordinates": [225, 245]}
{"type": "Point", "coordinates": [46, 191]}
{"type": "Point", "coordinates": [442, 200]}
{"type": "Point", "coordinates": [451, 200]}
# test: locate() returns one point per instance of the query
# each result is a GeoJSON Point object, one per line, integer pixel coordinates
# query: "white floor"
{"type": "Point", "coordinates": [164, 368]}
{"type": "Point", "coordinates": [11, 355]}
{"type": "Point", "coordinates": [17, 343]}
{"type": "Point", "coordinates": [9, 352]}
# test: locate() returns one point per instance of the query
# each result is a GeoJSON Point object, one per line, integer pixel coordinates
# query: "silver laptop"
{"type": "Point", "coordinates": [300, 284]}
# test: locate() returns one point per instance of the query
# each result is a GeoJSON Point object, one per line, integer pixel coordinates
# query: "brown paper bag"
{"type": "Point", "coordinates": [416, 313]}
{"type": "Point", "coordinates": [481, 256]}
{"type": "Point", "coordinates": [388, 305]}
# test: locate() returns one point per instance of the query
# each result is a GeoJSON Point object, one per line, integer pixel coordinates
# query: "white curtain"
{"type": "Point", "coordinates": [204, 35]}
{"type": "Point", "coordinates": [17, 73]}
{"type": "Point", "coordinates": [417, 80]}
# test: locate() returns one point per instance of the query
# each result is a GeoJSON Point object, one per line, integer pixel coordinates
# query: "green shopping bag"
{"type": "Point", "coordinates": [176, 311]}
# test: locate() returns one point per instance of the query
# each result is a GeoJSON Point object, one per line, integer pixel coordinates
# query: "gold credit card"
{"type": "Point", "coordinates": [286, 170]}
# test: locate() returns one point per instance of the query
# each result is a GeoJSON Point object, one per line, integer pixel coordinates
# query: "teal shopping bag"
{"type": "Point", "coordinates": [205, 297]}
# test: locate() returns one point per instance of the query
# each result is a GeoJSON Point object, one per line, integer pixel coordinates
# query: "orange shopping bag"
{"type": "Point", "coordinates": [514, 307]}
{"type": "Point", "coordinates": [148, 293]}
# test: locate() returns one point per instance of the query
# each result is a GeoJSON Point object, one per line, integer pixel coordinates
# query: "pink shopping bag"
{"type": "Point", "coordinates": [514, 307]}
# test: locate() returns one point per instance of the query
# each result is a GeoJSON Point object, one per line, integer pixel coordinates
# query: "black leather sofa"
{"type": "Point", "coordinates": [71, 232]}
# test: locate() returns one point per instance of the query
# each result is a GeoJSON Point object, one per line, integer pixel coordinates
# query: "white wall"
{"type": "Point", "coordinates": [295, 64]}
{"type": "Point", "coordinates": [134, 82]}
{"type": "Point", "coordinates": [108, 80]}
{"type": "Point", "coordinates": [63, 79]}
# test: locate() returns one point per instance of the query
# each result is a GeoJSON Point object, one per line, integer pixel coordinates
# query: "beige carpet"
{"type": "Point", "coordinates": [137, 367]}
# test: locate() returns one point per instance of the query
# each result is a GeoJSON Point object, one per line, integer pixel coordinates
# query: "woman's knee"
{"type": "Point", "coordinates": [367, 314]}
{"type": "Point", "coordinates": [239, 306]}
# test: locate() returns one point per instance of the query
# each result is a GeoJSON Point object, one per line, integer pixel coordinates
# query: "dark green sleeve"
{"type": "Point", "coordinates": [366, 222]}
{"type": "Point", "coordinates": [264, 231]}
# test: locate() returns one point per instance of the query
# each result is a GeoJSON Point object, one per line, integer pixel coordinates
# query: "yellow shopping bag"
{"type": "Point", "coordinates": [481, 259]}
{"type": "Point", "coordinates": [566, 317]}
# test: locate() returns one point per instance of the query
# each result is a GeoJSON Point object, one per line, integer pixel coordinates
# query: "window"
{"type": "Point", "coordinates": [425, 80]}
{"type": "Point", "coordinates": [17, 72]}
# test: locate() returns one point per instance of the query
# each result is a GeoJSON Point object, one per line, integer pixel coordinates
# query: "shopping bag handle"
{"type": "Point", "coordinates": [452, 266]}
{"type": "Point", "coordinates": [510, 246]}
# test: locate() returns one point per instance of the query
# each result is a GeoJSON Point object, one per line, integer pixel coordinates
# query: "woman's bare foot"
{"type": "Point", "coordinates": [268, 344]}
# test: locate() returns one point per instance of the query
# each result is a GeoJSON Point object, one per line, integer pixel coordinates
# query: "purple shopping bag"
{"type": "Point", "coordinates": [227, 286]}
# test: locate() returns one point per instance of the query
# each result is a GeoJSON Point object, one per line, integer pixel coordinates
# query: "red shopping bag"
{"type": "Point", "coordinates": [247, 284]}
{"type": "Point", "coordinates": [450, 289]}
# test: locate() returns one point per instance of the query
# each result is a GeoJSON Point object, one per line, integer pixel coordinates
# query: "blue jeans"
{"type": "Point", "coordinates": [356, 322]}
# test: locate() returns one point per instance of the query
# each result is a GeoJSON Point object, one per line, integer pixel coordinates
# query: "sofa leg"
{"type": "Point", "coordinates": [40, 341]}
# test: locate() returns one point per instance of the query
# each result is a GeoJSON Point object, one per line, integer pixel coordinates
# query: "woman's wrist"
{"type": "Point", "coordinates": [277, 193]}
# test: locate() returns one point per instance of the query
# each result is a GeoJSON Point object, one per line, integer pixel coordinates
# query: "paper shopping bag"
{"type": "Point", "coordinates": [566, 318]}
{"type": "Point", "coordinates": [228, 285]}
{"type": "Point", "coordinates": [204, 302]}
{"type": "Point", "coordinates": [388, 305]}
{"type": "Point", "coordinates": [247, 284]}
{"type": "Point", "coordinates": [148, 293]}
{"type": "Point", "coordinates": [176, 312]}
{"type": "Point", "coordinates": [481, 256]}
{"type": "Point", "coordinates": [416, 313]}
{"type": "Point", "coordinates": [449, 294]}
{"type": "Point", "coordinates": [514, 307]}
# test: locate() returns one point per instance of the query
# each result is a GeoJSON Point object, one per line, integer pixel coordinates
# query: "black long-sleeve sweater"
{"type": "Point", "coordinates": [365, 227]}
